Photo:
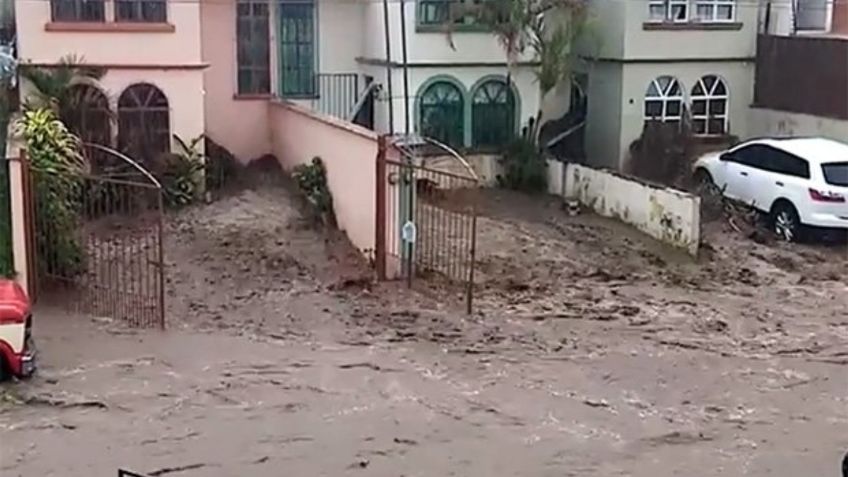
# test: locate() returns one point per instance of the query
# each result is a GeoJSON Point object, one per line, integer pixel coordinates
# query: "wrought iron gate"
{"type": "Point", "coordinates": [426, 214]}
{"type": "Point", "coordinates": [97, 242]}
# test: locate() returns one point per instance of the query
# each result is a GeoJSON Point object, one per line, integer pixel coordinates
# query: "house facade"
{"type": "Point", "coordinates": [151, 53]}
{"type": "Point", "coordinates": [216, 66]}
{"type": "Point", "coordinates": [666, 60]}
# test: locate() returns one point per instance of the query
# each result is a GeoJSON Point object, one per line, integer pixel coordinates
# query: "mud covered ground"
{"type": "Point", "coordinates": [592, 352]}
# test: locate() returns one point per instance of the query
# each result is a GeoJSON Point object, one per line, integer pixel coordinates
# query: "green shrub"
{"type": "Point", "coordinates": [311, 179]}
{"type": "Point", "coordinates": [524, 167]}
{"type": "Point", "coordinates": [56, 164]}
{"type": "Point", "coordinates": [181, 173]}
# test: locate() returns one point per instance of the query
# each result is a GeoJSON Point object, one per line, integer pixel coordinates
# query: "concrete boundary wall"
{"type": "Point", "coordinates": [349, 153]}
{"type": "Point", "coordinates": [667, 214]}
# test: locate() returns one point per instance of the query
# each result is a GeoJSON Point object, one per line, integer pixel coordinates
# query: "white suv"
{"type": "Point", "coordinates": [797, 181]}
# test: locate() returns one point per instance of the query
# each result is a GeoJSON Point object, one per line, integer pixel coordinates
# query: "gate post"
{"type": "Point", "coordinates": [380, 210]}
{"type": "Point", "coordinates": [21, 208]}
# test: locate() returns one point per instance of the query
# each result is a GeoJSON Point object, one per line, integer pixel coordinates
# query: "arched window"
{"type": "Point", "coordinates": [493, 113]}
{"type": "Point", "coordinates": [664, 100]}
{"type": "Point", "coordinates": [442, 113]}
{"type": "Point", "coordinates": [709, 106]}
{"type": "Point", "coordinates": [143, 126]}
{"type": "Point", "coordinates": [90, 117]}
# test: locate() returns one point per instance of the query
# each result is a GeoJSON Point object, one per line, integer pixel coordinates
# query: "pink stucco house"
{"type": "Point", "coordinates": [219, 67]}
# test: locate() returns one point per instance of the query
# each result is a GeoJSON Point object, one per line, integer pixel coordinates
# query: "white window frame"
{"type": "Point", "coordinates": [668, 9]}
{"type": "Point", "coordinates": [714, 8]}
{"type": "Point", "coordinates": [708, 97]}
{"type": "Point", "coordinates": [665, 99]}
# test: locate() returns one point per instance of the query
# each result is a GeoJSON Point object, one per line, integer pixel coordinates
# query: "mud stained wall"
{"type": "Point", "coordinates": [668, 215]}
{"type": "Point", "coordinates": [769, 122]}
{"type": "Point", "coordinates": [349, 153]}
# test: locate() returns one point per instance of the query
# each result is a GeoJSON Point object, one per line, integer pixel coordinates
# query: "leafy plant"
{"type": "Point", "coordinates": [56, 164]}
{"type": "Point", "coordinates": [547, 27]}
{"type": "Point", "coordinates": [524, 167]}
{"type": "Point", "coordinates": [54, 88]}
{"type": "Point", "coordinates": [181, 173]}
{"type": "Point", "coordinates": [311, 179]}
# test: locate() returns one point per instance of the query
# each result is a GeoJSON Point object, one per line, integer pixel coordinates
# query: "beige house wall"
{"type": "Point", "coordinates": [636, 77]}
{"type": "Point", "coordinates": [617, 102]}
{"type": "Point", "coordinates": [718, 41]}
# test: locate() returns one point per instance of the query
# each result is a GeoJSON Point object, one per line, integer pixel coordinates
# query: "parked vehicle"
{"type": "Point", "coordinates": [17, 348]}
{"type": "Point", "coordinates": [800, 183]}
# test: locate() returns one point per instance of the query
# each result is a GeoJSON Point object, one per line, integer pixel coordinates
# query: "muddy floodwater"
{"type": "Point", "coordinates": [592, 351]}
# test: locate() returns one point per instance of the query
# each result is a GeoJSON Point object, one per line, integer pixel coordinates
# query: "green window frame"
{"type": "Point", "coordinates": [441, 113]}
{"type": "Point", "coordinates": [493, 114]}
{"type": "Point", "coordinates": [297, 48]}
{"type": "Point", "coordinates": [253, 48]}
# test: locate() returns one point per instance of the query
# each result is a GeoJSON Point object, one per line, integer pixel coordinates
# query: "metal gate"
{"type": "Point", "coordinates": [96, 241]}
{"type": "Point", "coordinates": [426, 213]}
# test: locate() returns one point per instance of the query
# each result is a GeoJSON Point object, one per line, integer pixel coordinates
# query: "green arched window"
{"type": "Point", "coordinates": [442, 113]}
{"type": "Point", "coordinates": [492, 114]}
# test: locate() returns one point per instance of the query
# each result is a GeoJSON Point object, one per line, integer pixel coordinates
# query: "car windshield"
{"type": "Point", "coordinates": [836, 173]}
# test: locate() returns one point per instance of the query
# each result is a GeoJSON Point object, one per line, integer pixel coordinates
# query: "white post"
{"type": "Point", "coordinates": [17, 206]}
{"type": "Point", "coordinates": [19, 232]}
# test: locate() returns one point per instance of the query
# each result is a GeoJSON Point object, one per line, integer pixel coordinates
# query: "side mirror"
{"type": "Point", "coordinates": [725, 157]}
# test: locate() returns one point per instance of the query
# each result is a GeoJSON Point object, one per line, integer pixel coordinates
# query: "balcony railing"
{"type": "Point", "coordinates": [335, 94]}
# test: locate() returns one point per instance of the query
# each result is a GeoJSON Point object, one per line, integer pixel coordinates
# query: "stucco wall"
{"type": "Point", "coordinates": [668, 215]}
{"type": "Point", "coordinates": [691, 43]}
{"type": "Point", "coordinates": [523, 80]}
{"type": "Point", "coordinates": [179, 47]}
{"type": "Point", "coordinates": [772, 123]}
{"type": "Point", "coordinates": [618, 28]}
{"type": "Point", "coordinates": [341, 38]}
{"type": "Point", "coordinates": [603, 119]}
{"type": "Point", "coordinates": [238, 124]}
{"type": "Point", "coordinates": [349, 154]}
{"type": "Point", "coordinates": [183, 89]}
{"type": "Point", "coordinates": [637, 76]}
{"type": "Point", "coordinates": [433, 47]}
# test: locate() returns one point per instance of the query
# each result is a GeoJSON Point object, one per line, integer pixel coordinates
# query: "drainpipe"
{"type": "Point", "coordinates": [389, 66]}
{"type": "Point", "coordinates": [405, 66]}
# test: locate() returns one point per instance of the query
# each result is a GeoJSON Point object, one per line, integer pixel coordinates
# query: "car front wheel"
{"type": "Point", "coordinates": [785, 222]}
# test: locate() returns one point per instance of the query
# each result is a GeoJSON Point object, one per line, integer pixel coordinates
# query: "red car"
{"type": "Point", "coordinates": [17, 349]}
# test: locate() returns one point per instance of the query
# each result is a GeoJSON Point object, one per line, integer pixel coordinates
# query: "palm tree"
{"type": "Point", "coordinates": [548, 27]}
{"type": "Point", "coordinates": [54, 88]}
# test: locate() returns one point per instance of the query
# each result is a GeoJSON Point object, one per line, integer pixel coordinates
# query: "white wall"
{"type": "Point", "coordinates": [666, 214]}
{"type": "Point", "coordinates": [341, 36]}
{"type": "Point", "coordinates": [772, 123]}
{"type": "Point", "coordinates": [425, 46]}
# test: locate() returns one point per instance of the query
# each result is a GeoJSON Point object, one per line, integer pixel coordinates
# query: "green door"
{"type": "Point", "coordinates": [297, 49]}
